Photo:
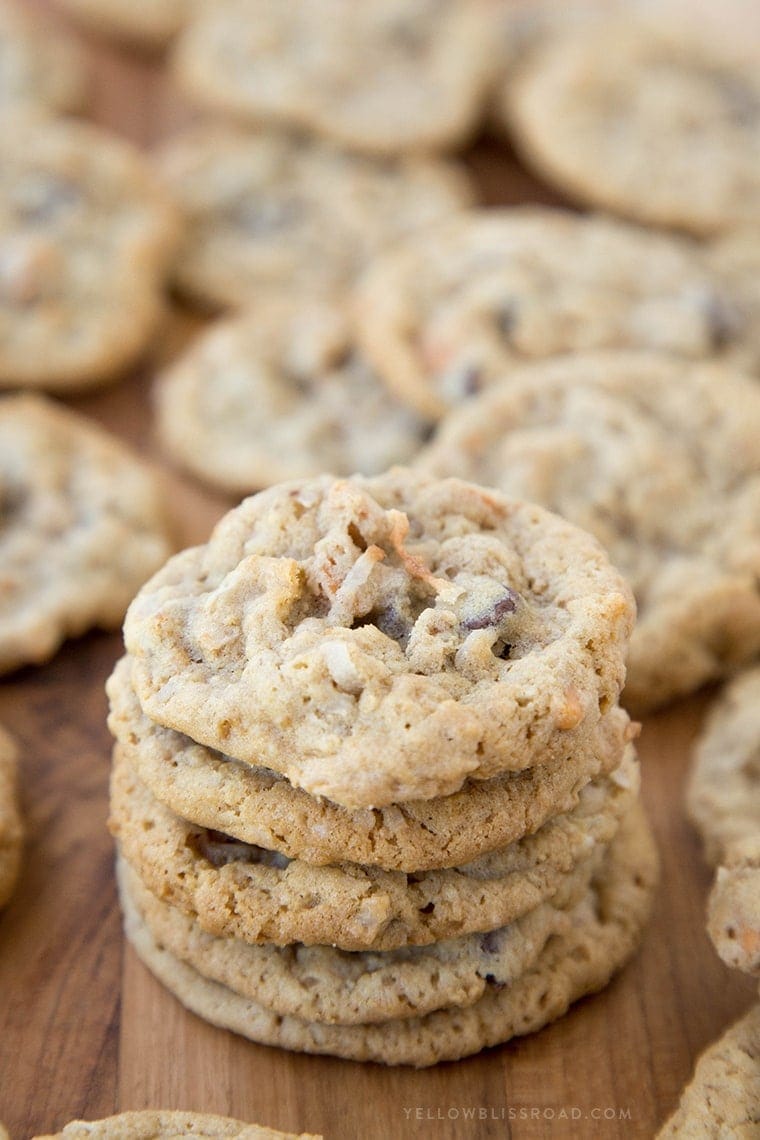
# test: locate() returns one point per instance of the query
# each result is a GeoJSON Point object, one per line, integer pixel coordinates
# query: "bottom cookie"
{"type": "Point", "coordinates": [572, 964]}
{"type": "Point", "coordinates": [723, 1098]}
{"type": "Point", "coordinates": [156, 1125]}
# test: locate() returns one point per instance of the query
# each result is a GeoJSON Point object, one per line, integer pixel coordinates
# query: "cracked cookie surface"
{"type": "Point", "coordinates": [153, 1124]}
{"type": "Point", "coordinates": [659, 460]}
{"type": "Point", "coordinates": [82, 528]}
{"type": "Point", "coordinates": [342, 632]}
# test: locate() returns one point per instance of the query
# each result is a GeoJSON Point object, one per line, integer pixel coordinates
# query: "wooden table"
{"type": "Point", "coordinates": [85, 1030]}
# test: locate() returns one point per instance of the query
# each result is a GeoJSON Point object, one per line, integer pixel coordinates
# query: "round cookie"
{"type": "Point", "coordinates": [153, 1124]}
{"type": "Point", "coordinates": [465, 302]}
{"type": "Point", "coordinates": [239, 890]}
{"type": "Point", "coordinates": [646, 121]}
{"type": "Point", "coordinates": [145, 23]}
{"type": "Point", "coordinates": [39, 71]}
{"type": "Point", "coordinates": [344, 631]}
{"type": "Point", "coordinates": [11, 827]}
{"type": "Point", "coordinates": [723, 793]}
{"type": "Point", "coordinates": [259, 806]}
{"type": "Point", "coordinates": [82, 528]}
{"type": "Point", "coordinates": [281, 393]}
{"type": "Point", "coordinates": [267, 212]}
{"type": "Point", "coordinates": [336, 987]}
{"type": "Point", "coordinates": [600, 940]}
{"type": "Point", "coordinates": [86, 233]}
{"type": "Point", "coordinates": [723, 1098]}
{"type": "Point", "coordinates": [383, 76]}
{"type": "Point", "coordinates": [659, 460]}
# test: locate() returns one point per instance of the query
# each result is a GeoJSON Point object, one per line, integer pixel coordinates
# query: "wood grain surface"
{"type": "Point", "coordinates": [85, 1031]}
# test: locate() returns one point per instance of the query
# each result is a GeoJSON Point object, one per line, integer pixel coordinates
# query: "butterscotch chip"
{"type": "Point", "coordinates": [326, 632]}
{"type": "Point", "coordinates": [464, 303]}
{"type": "Point", "coordinates": [282, 393]}
{"type": "Point", "coordinates": [240, 890]}
{"type": "Point", "coordinates": [82, 528]}
{"type": "Point", "coordinates": [11, 827]}
{"type": "Point", "coordinates": [86, 233]}
{"type": "Point", "coordinates": [157, 1125]}
{"type": "Point", "coordinates": [267, 212]}
{"type": "Point", "coordinates": [723, 1097]}
{"type": "Point", "coordinates": [383, 76]}
{"type": "Point", "coordinates": [658, 459]}
{"type": "Point", "coordinates": [260, 806]}
{"type": "Point", "coordinates": [603, 935]}
{"type": "Point", "coordinates": [38, 70]}
{"type": "Point", "coordinates": [651, 122]}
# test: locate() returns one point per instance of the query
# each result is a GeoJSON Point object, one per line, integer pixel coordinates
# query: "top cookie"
{"type": "Point", "coordinates": [82, 528]}
{"type": "Point", "coordinates": [38, 71]}
{"type": "Point", "coordinates": [85, 236]}
{"type": "Point", "coordinates": [343, 632]}
{"type": "Point", "coordinates": [381, 76]}
{"type": "Point", "coordinates": [145, 23]}
{"type": "Point", "coordinates": [268, 212]}
{"type": "Point", "coordinates": [467, 300]}
{"type": "Point", "coordinates": [658, 459]}
{"type": "Point", "coordinates": [156, 1125]}
{"type": "Point", "coordinates": [644, 121]}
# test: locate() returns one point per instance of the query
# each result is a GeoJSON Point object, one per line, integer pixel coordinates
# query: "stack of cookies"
{"type": "Point", "coordinates": [373, 792]}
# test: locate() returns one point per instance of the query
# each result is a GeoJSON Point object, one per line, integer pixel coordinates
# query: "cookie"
{"type": "Point", "coordinates": [39, 71]}
{"type": "Point", "coordinates": [156, 1125]}
{"type": "Point", "coordinates": [383, 76]}
{"type": "Point", "coordinates": [599, 942]}
{"type": "Point", "coordinates": [658, 459]}
{"type": "Point", "coordinates": [11, 828]}
{"type": "Point", "coordinates": [86, 233]}
{"type": "Point", "coordinates": [82, 528]}
{"type": "Point", "coordinates": [723, 793]}
{"type": "Point", "coordinates": [465, 302]}
{"type": "Point", "coordinates": [144, 23]}
{"type": "Point", "coordinates": [240, 890]}
{"type": "Point", "coordinates": [733, 909]}
{"type": "Point", "coordinates": [267, 212]}
{"type": "Point", "coordinates": [282, 393]}
{"type": "Point", "coordinates": [259, 806]}
{"type": "Point", "coordinates": [645, 121]}
{"type": "Point", "coordinates": [342, 632]}
{"type": "Point", "coordinates": [335, 987]}
{"type": "Point", "coordinates": [723, 1098]}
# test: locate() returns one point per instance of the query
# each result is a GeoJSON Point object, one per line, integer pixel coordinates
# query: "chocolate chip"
{"type": "Point", "coordinates": [490, 943]}
{"type": "Point", "coordinates": [220, 849]}
{"type": "Point", "coordinates": [495, 614]}
{"type": "Point", "coordinates": [471, 380]}
{"type": "Point", "coordinates": [506, 319]}
{"type": "Point", "coordinates": [723, 320]}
